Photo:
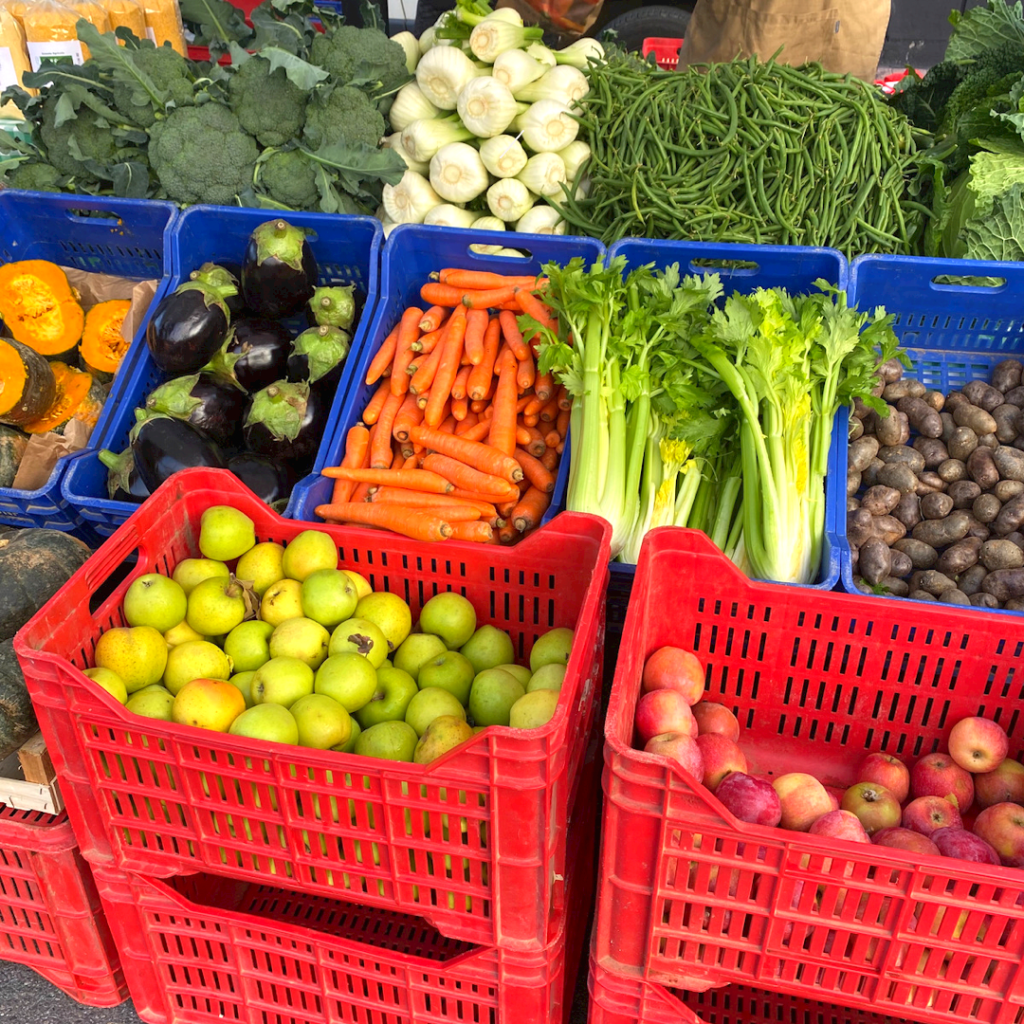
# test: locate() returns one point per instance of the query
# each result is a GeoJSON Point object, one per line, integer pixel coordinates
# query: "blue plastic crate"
{"type": "Point", "coordinates": [742, 268]}
{"type": "Point", "coordinates": [953, 333]}
{"type": "Point", "coordinates": [132, 242]}
{"type": "Point", "coordinates": [347, 250]}
{"type": "Point", "coordinates": [411, 254]}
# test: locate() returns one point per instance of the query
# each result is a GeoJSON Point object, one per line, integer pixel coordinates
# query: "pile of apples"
{"type": "Point", "coordinates": [277, 643]}
{"type": "Point", "coordinates": [923, 809]}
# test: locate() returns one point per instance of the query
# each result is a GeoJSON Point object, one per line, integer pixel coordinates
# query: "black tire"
{"type": "Point", "coordinates": [659, 21]}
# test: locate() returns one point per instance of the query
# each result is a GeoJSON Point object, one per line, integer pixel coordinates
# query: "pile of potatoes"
{"type": "Point", "coordinates": [941, 518]}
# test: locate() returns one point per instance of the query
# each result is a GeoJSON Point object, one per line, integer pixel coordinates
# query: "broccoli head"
{"type": "Point", "coordinates": [268, 104]}
{"type": "Point", "coordinates": [201, 155]}
{"type": "Point", "coordinates": [168, 71]}
{"type": "Point", "coordinates": [35, 177]}
{"type": "Point", "coordinates": [85, 137]}
{"type": "Point", "coordinates": [288, 178]}
{"type": "Point", "coordinates": [364, 53]}
{"type": "Point", "coordinates": [346, 115]}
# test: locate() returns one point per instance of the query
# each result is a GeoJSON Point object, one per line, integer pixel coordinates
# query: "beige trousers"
{"type": "Point", "coordinates": [843, 35]}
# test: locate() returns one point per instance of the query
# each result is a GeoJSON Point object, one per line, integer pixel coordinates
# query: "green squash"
{"type": "Point", "coordinates": [12, 447]}
{"type": "Point", "coordinates": [17, 719]}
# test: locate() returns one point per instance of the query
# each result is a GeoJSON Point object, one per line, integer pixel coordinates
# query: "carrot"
{"type": "Point", "coordinates": [536, 445]}
{"type": "Point", "coordinates": [383, 359]}
{"type": "Point", "coordinates": [478, 532]}
{"type": "Point", "coordinates": [564, 399]}
{"type": "Point", "coordinates": [480, 279]}
{"type": "Point", "coordinates": [508, 534]}
{"type": "Point", "coordinates": [503, 423]}
{"type": "Point", "coordinates": [423, 376]}
{"type": "Point", "coordinates": [449, 513]}
{"type": "Point", "coordinates": [448, 423]}
{"type": "Point", "coordinates": [413, 460]}
{"type": "Point", "coordinates": [460, 409]}
{"type": "Point", "coordinates": [478, 405]}
{"type": "Point", "coordinates": [534, 471]}
{"type": "Point", "coordinates": [481, 374]}
{"type": "Point", "coordinates": [471, 419]}
{"type": "Point", "coordinates": [372, 411]}
{"type": "Point", "coordinates": [484, 457]}
{"type": "Point", "coordinates": [529, 510]}
{"type": "Point", "coordinates": [526, 371]}
{"type": "Point", "coordinates": [562, 423]}
{"type": "Point", "coordinates": [523, 437]}
{"type": "Point", "coordinates": [357, 444]}
{"type": "Point", "coordinates": [426, 343]}
{"type": "Point", "coordinates": [544, 387]}
{"type": "Point", "coordinates": [552, 439]}
{"type": "Point", "coordinates": [414, 479]}
{"type": "Point", "coordinates": [532, 306]}
{"type": "Point", "coordinates": [408, 416]}
{"type": "Point", "coordinates": [447, 369]}
{"type": "Point", "coordinates": [522, 402]}
{"type": "Point", "coordinates": [410, 523]}
{"type": "Point", "coordinates": [478, 432]}
{"type": "Point", "coordinates": [404, 496]}
{"type": "Point", "coordinates": [512, 335]}
{"type": "Point", "coordinates": [476, 326]}
{"type": "Point", "coordinates": [534, 406]}
{"type": "Point", "coordinates": [531, 421]}
{"type": "Point", "coordinates": [490, 499]}
{"type": "Point", "coordinates": [464, 477]}
{"type": "Point", "coordinates": [400, 371]}
{"type": "Point", "coordinates": [380, 451]}
{"type": "Point", "coordinates": [461, 382]}
{"type": "Point", "coordinates": [549, 414]}
{"type": "Point", "coordinates": [489, 297]}
{"type": "Point", "coordinates": [549, 460]}
{"type": "Point", "coordinates": [432, 319]}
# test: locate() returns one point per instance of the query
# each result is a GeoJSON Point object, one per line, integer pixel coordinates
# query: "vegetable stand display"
{"type": "Point", "coordinates": [692, 898]}
{"type": "Point", "coordinates": [157, 799]}
{"type": "Point", "coordinates": [347, 252]}
{"type": "Point", "coordinates": [104, 236]}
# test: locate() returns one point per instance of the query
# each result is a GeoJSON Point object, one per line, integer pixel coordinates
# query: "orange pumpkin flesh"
{"type": "Point", "coordinates": [13, 377]}
{"type": "Point", "coordinates": [27, 385]}
{"type": "Point", "coordinates": [39, 306]}
{"type": "Point", "coordinates": [72, 389]}
{"type": "Point", "coordinates": [103, 347]}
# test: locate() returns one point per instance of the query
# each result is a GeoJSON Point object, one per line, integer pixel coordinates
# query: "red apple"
{"type": "Point", "coordinates": [716, 718]}
{"type": "Point", "coordinates": [905, 839]}
{"type": "Point", "coordinates": [940, 775]}
{"type": "Point", "coordinates": [1002, 827]}
{"type": "Point", "coordinates": [840, 825]}
{"type": "Point", "coordinates": [1004, 784]}
{"type": "Point", "coordinates": [680, 748]}
{"type": "Point", "coordinates": [835, 794]}
{"type": "Point", "coordinates": [672, 668]}
{"type": "Point", "coordinates": [978, 744]}
{"type": "Point", "coordinates": [887, 771]}
{"type": "Point", "coordinates": [662, 711]}
{"type": "Point", "coordinates": [803, 799]}
{"type": "Point", "coordinates": [926, 814]}
{"type": "Point", "coordinates": [963, 845]}
{"type": "Point", "coordinates": [874, 805]}
{"type": "Point", "coordinates": [721, 756]}
{"type": "Point", "coordinates": [750, 799]}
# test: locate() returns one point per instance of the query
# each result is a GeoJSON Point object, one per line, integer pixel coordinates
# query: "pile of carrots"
{"type": "Point", "coordinates": [462, 437]}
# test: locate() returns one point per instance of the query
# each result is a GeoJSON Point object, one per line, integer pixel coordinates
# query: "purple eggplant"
{"type": "Point", "coordinates": [209, 403]}
{"type": "Point", "coordinates": [271, 481]}
{"type": "Point", "coordinates": [279, 271]}
{"type": "Point", "coordinates": [286, 421]}
{"type": "Point", "coordinates": [318, 356]}
{"type": "Point", "coordinates": [162, 446]}
{"type": "Point", "coordinates": [123, 481]}
{"type": "Point", "coordinates": [254, 355]}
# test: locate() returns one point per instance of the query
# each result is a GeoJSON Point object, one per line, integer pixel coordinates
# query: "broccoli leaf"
{"type": "Point", "coordinates": [370, 14]}
{"type": "Point", "coordinates": [999, 235]}
{"type": "Point", "coordinates": [301, 73]}
{"type": "Point", "coordinates": [284, 29]}
{"type": "Point", "coordinates": [355, 164]}
{"type": "Point", "coordinates": [74, 96]}
{"type": "Point", "coordinates": [983, 28]}
{"type": "Point", "coordinates": [119, 62]}
{"type": "Point", "coordinates": [87, 76]}
{"type": "Point", "coordinates": [12, 144]}
{"type": "Point", "coordinates": [330, 201]}
{"type": "Point", "coordinates": [217, 21]}
{"type": "Point", "coordinates": [130, 179]}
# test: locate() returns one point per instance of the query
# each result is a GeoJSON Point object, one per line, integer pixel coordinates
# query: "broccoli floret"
{"type": "Point", "coordinates": [168, 70]}
{"type": "Point", "coordinates": [35, 177]}
{"type": "Point", "coordinates": [983, 74]}
{"type": "Point", "coordinates": [201, 155]}
{"type": "Point", "coordinates": [289, 178]}
{"type": "Point", "coordinates": [88, 132]}
{"type": "Point", "coordinates": [268, 104]}
{"type": "Point", "coordinates": [366, 53]}
{"type": "Point", "coordinates": [924, 101]}
{"type": "Point", "coordinates": [346, 115]}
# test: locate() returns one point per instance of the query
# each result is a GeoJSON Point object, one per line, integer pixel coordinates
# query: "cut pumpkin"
{"type": "Point", "coordinates": [27, 383]}
{"type": "Point", "coordinates": [103, 347]}
{"type": "Point", "coordinates": [73, 389]}
{"type": "Point", "coordinates": [39, 306]}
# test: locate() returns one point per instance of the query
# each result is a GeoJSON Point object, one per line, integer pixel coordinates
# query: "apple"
{"type": "Point", "coordinates": [662, 711]}
{"type": "Point", "coordinates": [874, 806]}
{"type": "Point", "coordinates": [978, 744]}
{"type": "Point", "coordinates": [840, 825]}
{"type": "Point", "coordinates": [681, 748]}
{"type": "Point", "coordinates": [1002, 827]}
{"type": "Point", "coordinates": [963, 845]}
{"type": "Point", "coordinates": [716, 718]}
{"type": "Point", "coordinates": [721, 756]}
{"type": "Point", "coordinates": [927, 814]}
{"type": "Point", "coordinates": [803, 800]}
{"type": "Point", "coordinates": [672, 668]}
{"type": "Point", "coordinates": [750, 799]}
{"type": "Point", "coordinates": [888, 771]}
{"type": "Point", "coordinates": [836, 795]}
{"type": "Point", "coordinates": [905, 839]}
{"type": "Point", "coordinates": [940, 775]}
{"type": "Point", "coordinates": [1004, 784]}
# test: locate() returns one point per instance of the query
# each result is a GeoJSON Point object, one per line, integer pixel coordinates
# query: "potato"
{"type": "Point", "coordinates": [959, 557]}
{"type": "Point", "coordinates": [1017, 538]}
{"type": "Point", "coordinates": [1001, 554]}
{"type": "Point", "coordinates": [898, 475]}
{"type": "Point", "coordinates": [892, 429]}
{"type": "Point", "coordinates": [860, 527]}
{"type": "Point", "coordinates": [889, 371]}
{"type": "Point", "coordinates": [983, 395]}
{"type": "Point", "coordinates": [1007, 489]}
{"type": "Point", "coordinates": [933, 450]}
{"type": "Point", "coordinates": [889, 528]}
{"type": "Point", "coordinates": [876, 560]}
{"type": "Point", "coordinates": [908, 511]}
{"type": "Point", "coordinates": [936, 506]}
{"type": "Point", "coordinates": [962, 443]}
{"type": "Point", "coordinates": [1007, 419]}
{"type": "Point", "coordinates": [1006, 375]}
{"type": "Point", "coordinates": [903, 388]}
{"type": "Point", "coordinates": [970, 581]}
{"type": "Point", "coordinates": [1018, 443]}
{"type": "Point", "coordinates": [948, 426]}
{"type": "Point", "coordinates": [1004, 584]}
{"type": "Point", "coordinates": [852, 504]}
{"type": "Point", "coordinates": [929, 482]}
{"type": "Point", "coordinates": [852, 482]}
{"type": "Point", "coordinates": [986, 507]}
{"type": "Point", "coordinates": [954, 597]}
{"type": "Point", "coordinates": [1010, 517]}
{"type": "Point", "coordinates": [903, 454]}
{"type": "Point", "coordinates": [936, 399]}
{"type": "Point", "coordinates": [983, 600]}
{"type": "Point", "coordinates": [981, 422]}
{"type": "Point", "coordinates": [880, 500]}
{"type": "Point", "coordinates": [870, 475]}
{"type": "Point", "coordinates": [988, 441]}
{"type": "Point", "coordinates": [862, 451]}
{"type": "Point", "coordinates": [964, 493]}
{"type": "Point", "coordinates": [940, 533]}
{"type": "Point", "coordinates": [934, 582]}
{"type": "Point", "coordinates": [952, 470]}
{"type": "Point", "coordinates": [856, 428]}
{"type": "Point", "coordinates": [955, 399]}
{"type": "Point", "coordinates": [895, 586]}
{"type": "Point", "coordinates": [900, 564]}
{"type": "Point", "coordinates": [1015, 396]}
{"type": "Point", "coordinates": [860, 410]}
{"type": "Point", "coordinates": [1015, 604]}
{"type": "Point", "coordinates": [976, 528]}
{"type": "Point", "coordinates": [922, 555]}
{"type": "Point", "coordinates": [982, 469]}
{"type": "Point", "coordinates": [920, 595]}
{"type": "Point", "coordinates": [923, 418]}
{"type": "Point", "coordinates": [1009, 463]}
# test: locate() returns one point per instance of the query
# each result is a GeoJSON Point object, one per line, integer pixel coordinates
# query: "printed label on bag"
{"type": "Point", "coordinates": [8, 73]}
{"type": "Point", "coordinates": [57, 52]}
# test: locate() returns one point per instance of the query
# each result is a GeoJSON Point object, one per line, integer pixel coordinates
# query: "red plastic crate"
{"type": "Point", "coordinates": [159, 799]}
{"type": "Point", "coordinates": [666, 51]}
{"type": "Point", "coordinates": [50, 914]}
{"type": "Point", "coordinates": [690, 897]}
{"type": "Point", "coordinates": [202, 950]}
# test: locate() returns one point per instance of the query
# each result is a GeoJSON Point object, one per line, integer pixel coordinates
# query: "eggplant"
{"type": "Point", "coordinates": [269, 480]}
{"type": "Point", "coordinates": [191, 323]}
{"type": "Point", "coordinates": [333, 305]}
{"type": "Point", "coordinates": [123, 480]}
{"type": "Point", "coordinates": [163, 445]}
{"type": "Point", "coordinates": [254, 355]}
{"type": "Point", "coordinates": [236, 303]}
{"type": "Point", "coordinates": [318, 356]}
{"type": "Point", "coordinates": [209, 403]}
{"type": "Point", "coordinates": [286, 421]}
{"type": "Point", "coordinates": [278, 271]}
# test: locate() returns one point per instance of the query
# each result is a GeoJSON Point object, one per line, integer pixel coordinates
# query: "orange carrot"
{"type": "Point", "coordinates": [534, 406]}
{"type": "Point", "coordinates": [529, 510]}
{"type": "Point", "coordinates": [460, 409]}
{"type": "Point", "coordinates": [478, 432]}
{"type": "Point", "coordinates": [531, 421]}
{"type": "Point", "coordinates": [526, 371]}
{"type": "Point", "coordinates": [512, 335]}
{"type": "Point", "coordinates": [423, 376]}
{"type": "Point", "coordinates": [549, 460]}
{"type": "Point", "coordinates": [409, 522]}
{"type": "Point", "coordinates": [372, 411]}
{"type": "Point", "coordinates": [534, 471]}
{"type": "Point", "coordinates": [476, 326]}
{"type": "Point", "coordinates": [481, 374]}
{"type": "Point", "coordinates": [414, 479]}
{"type": "Point", "coordinates": [484, 457]}
{"type": "Point", "coordinates": [432, 319]}
{"type": "Point", "coordinates": [448, 423]}
{"type": "Point", "coordinates": [471, 419]}
{"type": "Point", "coordinates": [552, 439]}
{"type": "Point", "coordinates": [357, 444]}
{"type": "Point", "coordinates": [426, 343]}
{"type": "Point", "coordinates": [536, 445]}
{"type": "Point", "coordinates": [480, 279]}
{"type": "Point", "coordinates": [465, 477]}
{"type": "Point", "coordinates": [404, 496]}
{"type": "Point", "coordinates": [478, 405]}
{"type": "Point", "coordinates": [449, 513]}
{"type": "Point", "coordinates": [522, 402]}
{"type": "Point", "coordinates": [564, 399]}
{"type": "Point", "coordinates": [479, 532]}
{"type": "Point", "coordinates": [488, 412]}
{"type": "Point", "coordinates": [400, 371]}
{"type": "Point", "coordinates": [461, 382]}
{"type": "Point", "coordinates": [380, 451]}
{"type": "Point", "coordinates": [544, 387]}
{"type": "Point", "coordinates": [523, 437]}
{"type": "Point", "coordinates": [532, 306]}
{"type": "Point", "coordinates": [447, 369]}
{"type": "Point", "coordinates": [490, 499]}
{"type": "Point", "coordinates": [562, 423]}
{"type": "Point", "coordinates": [549, 414]}
{"type": "Point", "coordinates": [503, 422]}
{"type": "Point", "coordinates": [442, 295]}
{"type": "Point", "coordinates": [409, 415]}
{"type": "Point", "coordinates": [490, 297]}
{"type": "Point", "coordinates": [383, 359]}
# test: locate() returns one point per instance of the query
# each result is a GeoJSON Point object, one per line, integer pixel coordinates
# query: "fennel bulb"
{"type": "Point", "coordinates": [564, 84]}
{"type": "Point", "coordinates": [448, 216]}
{"type": "Point", "coordinates": [515, 253]}
{"type": "Point", "coordinates": [427, 41]}
{"type": "Point", "coordinates": [496, 35]}
{"type": "Point", "coordinates": [486, 107]}
{"type": "Point", "coordinates": [539, 52]}
{"type": "Point", "coordinates": [411, 45]}
{"type": "Point", "coordinates": [411, 105]}
{"type": "Point", "coordinates": [422, 139]}
{"type": "Point", "coordinates": [516, 69]}
{"type": "Point", "coordinates": [547, 126]}
{"type": "Point", "coordinates": [486, 250]}
{"type": "Point", "coordinates": [395, 142]}
{"type": "Point", "coordinates": [509, 199]}
{"type": "Point", "coordinates": [580, 53]}
{"type": "Point", "coordinates": [488, 224]}
{"type": "Point", "coordinates": [542, 220]}
{"type": "Point", "coordinates": [574, 156]}
{"type": "Point", "coordinates": [441, 74]}
{"type": "Point", "coordinates": [458, 174]}
{"type": "Point", "coordinates": [503, 156]}
{"type": "Point", "coordinates": [410, 200]}
{"type": "Point", "coordinates": [544, 174]}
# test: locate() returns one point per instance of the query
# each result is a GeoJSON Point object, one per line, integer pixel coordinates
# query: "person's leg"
{"type": "Point", "coordinates": [427, 12]}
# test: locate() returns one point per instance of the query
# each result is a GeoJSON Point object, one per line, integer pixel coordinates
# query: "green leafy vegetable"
{"type": "Point", "coordinates": [982, 28]}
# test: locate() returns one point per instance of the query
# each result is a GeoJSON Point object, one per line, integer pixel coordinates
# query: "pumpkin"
{"type": "Point", "coordinates": [34, 565]}
{"type": "Point", "coordinates": [12, 447]}
{"type": "Point", "coordinates": [40, 307]}
{"type": "Point", "coordinates": [103, 347]}
{"type": "Point", "coordinates": [27, 384]}
{"type": "Point", "coordinates": [17, 719]}
{"type": "Point", "coordinates": [78, 397]}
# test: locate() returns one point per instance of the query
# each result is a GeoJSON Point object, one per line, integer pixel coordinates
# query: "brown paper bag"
{"type": "Point", "coordinates": [569, 19]}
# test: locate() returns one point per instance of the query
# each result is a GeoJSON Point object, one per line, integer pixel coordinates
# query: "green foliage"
{"type": "Point", "coordinates": [1000, 234]}
{"type": "Point", "coordinates": [36, 177]}
{"type": "Point", "coordinates": [345, 114]}
{"type": "Point", "coordinates": [985, 80]}
{"type": "Point", "coordinates": [361, 56]}
{"type": "Point", "coordinates": [81, 146]}
{"type": "Point", "coordinates": [169, 73]}
{"type": "Point", "coordinates": [982, 28]}
{"type": "Point", "coordinates": [924, 100]}
{"type": "Point", "coordinates": [268, 104]}
{"type": "Point", "coordinates": [289, 179]}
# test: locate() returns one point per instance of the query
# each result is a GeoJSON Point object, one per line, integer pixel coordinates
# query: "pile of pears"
{"type": "Point", "coordinates": [286, 647]}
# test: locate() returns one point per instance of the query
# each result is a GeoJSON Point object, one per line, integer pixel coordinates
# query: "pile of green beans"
{"type": "Point", "coordinates": [746, 152]}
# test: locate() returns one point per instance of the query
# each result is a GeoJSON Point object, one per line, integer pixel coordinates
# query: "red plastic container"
{"type": "Point", "coordinates": [158, 799]}
{"type": "Point", "coordinates": [666, 51]}
{"type": "Point", "coordinates": [202, 950]}
{"type": "Point", "coordinates": [50, 914]}
{"type": "Point", "coordinates": [691, 897]}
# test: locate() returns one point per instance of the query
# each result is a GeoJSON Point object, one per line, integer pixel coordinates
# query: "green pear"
{"type": "Point", "coordinates": [395, 689]}
{"type": "Point", "coordinates": [109, 681]}
{"type": "Point", "coordinates": [450, 616]}
{"type": "Point", "coordinates": [300, 638]}
{"type": "Point", "coordinates": [431, 703]}
{"type": "Point", "coordinates": [347, 678]}
{"type": "Point", "coordinates": [309, 551]}
{"type": "Point", "coordinates": [349, 745]}
{"type": "Point", "coordinates": [151, 704]}
{"type": "Point", "coordinates": [520, 672]}
{"type": "Point", "coordinates": [361, 637]}
{"type": "Point", "coordinates": [248, 645]}
{"type": "Point", "coordinates": [269, 722]}
{"type": "Point", "coordinates": [390, 613]}
{"type": "Point", "coordinates": [492, 695]}
{"type": "Point", "coordinates": [534, 709]}
{"type": "Point", "coordinates": [281, 681]}
{"type": "Point", "coordinates": [450, 671]}
{"type": "Point", "coordinates": [547, 677]}
{"type": "Point", "coordinates": [323, 723]}
{"type": "Point", "coordinates": [488, 647]}
{"type": "Point", "coordinates": [138, 654]}
{"type": "Point", "coordinates": [190, 572]}
{"type": "Point", "coordinates": [392, 741]}
{"type": "Point", "coordinates": [225, 533]}
{"type": "Point", "coordinates": [444, 733]}
{"type": "Point", "coordinates": [243, 681]}
{"type": "Point", "coordinates": [261, 566]}
{"type": "Point", "coordinates": [155, 600]}
{"type": "Point", "coordinates": [197, 659]}
{"type": "Point", "coordinates": [328, 597]}
{"type": "Point", "coordinates": [416, 650]}
{"type": "Point", "coordinates": [216, 606]}
{"type": "Point", "coordinates": [281, 601]}
{"type": "Point", "coordinates": [552, 648]}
